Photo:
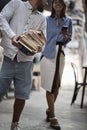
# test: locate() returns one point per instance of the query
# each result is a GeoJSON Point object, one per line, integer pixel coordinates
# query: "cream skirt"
{"type": "Point", "coordinates": [47, 69]}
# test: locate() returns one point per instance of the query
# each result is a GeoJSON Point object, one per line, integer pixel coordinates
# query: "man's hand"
{"type": "Point", "coordinates": [15, 41]}
{"type": "Point", "coordinates": [39, 48]}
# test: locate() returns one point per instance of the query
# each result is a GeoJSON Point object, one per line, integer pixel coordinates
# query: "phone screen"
{"type": "Point", "coordinates": [64, 28]}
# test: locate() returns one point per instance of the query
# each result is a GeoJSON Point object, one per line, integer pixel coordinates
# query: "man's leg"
{"type": "Point", "coordinates": [23, 84]}
{"type": "Point", "coordinates": [18, 107]}
{"type": "Point", "coordinates": [17, 110]}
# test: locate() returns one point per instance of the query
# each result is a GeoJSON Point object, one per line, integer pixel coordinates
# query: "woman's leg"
{"type": "Point", "coordinates": [56, 90]}
{"type": "Point", "coordinates": [51, 98]}
{"type": "Point", "coordinates": [50, 102]}
{"type": "Point", "coordinates": [51, 111]}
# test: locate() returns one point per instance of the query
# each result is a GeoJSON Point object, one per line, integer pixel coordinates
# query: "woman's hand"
{"type": "Point", "coordinates": [65, 34]}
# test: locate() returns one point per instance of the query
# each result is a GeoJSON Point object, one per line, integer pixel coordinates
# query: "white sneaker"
{"type": "Point", "coordinates": [15, 126]}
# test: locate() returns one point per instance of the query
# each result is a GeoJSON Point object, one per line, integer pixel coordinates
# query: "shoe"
{"type": "Point", "coordinates": [15, 126]}
{"type": "Point", "coordinates": [54, 123]}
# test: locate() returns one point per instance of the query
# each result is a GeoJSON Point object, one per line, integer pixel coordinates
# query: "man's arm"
{"type": "Point", "coordinates": [6, 15]}
{"type": "Point", "coordinates": [43, 28]}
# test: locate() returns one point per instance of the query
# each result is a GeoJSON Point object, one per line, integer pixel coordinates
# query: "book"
{"type": "Point", "coordinates": [31, 40]}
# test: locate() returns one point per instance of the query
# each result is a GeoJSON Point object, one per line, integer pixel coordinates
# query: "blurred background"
{"type": "Point", "coordinates": [71, 118]}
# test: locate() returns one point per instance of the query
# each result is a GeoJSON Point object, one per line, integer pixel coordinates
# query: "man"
{"type": "Point", "coordinates": [16, 18]}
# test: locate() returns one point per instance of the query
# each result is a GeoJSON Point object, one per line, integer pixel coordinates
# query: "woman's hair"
{"type": "Point", "coordinates": [63, 10]}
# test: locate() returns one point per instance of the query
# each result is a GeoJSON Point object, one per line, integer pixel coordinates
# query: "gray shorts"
{"type": "Point", "coordinates": [21, 75]}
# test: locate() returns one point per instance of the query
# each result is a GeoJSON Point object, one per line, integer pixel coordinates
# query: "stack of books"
{"type": "Point", "coordinates": [31, 40]}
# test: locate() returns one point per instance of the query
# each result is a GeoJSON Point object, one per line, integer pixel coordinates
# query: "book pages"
{"type": "Point", "coordinates": [32, 40]}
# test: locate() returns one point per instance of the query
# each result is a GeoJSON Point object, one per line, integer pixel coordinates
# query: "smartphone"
{"type": "Point", "coordinates": [64, 28]}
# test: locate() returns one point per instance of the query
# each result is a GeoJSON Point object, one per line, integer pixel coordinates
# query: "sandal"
{"type": "Point", "coordinates": [54, 123]}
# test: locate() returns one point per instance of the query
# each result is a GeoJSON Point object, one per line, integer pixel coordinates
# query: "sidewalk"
{"type": "Point", "coordinates": [33, 117]}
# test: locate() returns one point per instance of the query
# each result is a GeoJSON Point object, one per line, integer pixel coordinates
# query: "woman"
{"type": "Point", "coordinates": [59, 31]}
